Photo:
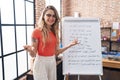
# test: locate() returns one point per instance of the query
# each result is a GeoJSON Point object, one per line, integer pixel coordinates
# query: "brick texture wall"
{"type": "Point", "coordinates": [107, 10]}
{"type": "Point", "coordinates": [39, 6]}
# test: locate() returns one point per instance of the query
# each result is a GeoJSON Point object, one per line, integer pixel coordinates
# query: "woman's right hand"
{"type": "Point", "coordinates": [28, 48]}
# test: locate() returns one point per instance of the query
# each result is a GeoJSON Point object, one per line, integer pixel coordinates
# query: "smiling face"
{"type": "Point", "coordinates": [49, 17]}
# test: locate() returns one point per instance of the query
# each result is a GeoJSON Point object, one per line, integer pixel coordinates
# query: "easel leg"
{"type": "Point", "coordinates": [100, 77]}
{"type": "Point", "coordinates": [64, 77]}
{"type": "Point", "coordinates": [78, 77]}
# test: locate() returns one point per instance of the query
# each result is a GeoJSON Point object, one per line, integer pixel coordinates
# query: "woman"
{"type": "Point", "coordinates": [45, 45]}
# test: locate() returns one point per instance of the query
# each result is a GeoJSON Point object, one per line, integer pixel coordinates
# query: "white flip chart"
{"type": "Point", "coordinates": [84, 58]}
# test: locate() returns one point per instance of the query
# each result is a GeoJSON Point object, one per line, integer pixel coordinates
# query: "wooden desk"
{"type": "Point", "coordinates": [111, 63]}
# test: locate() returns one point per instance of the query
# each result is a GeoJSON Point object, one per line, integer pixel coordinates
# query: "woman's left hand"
{"type": "Point", "coordinates": [74, 42]}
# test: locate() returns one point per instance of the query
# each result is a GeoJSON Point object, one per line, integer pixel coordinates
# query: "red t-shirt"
{"type": "Point", "coordinates": [49, 49]}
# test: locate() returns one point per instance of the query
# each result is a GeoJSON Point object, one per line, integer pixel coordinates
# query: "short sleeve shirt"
{"type": "Point", "coordinates": [50, 45]}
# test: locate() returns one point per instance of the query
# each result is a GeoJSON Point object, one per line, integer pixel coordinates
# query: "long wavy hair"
{"type": "Point", "coordinates": [43, 26]}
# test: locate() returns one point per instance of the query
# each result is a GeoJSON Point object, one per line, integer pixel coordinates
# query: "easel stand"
{"type": "Point", "coordinates": [66, 77]}
{"type": "Point", "coordinates": [100, 77]}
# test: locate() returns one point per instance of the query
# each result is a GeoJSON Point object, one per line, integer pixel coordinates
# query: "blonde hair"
{"type": "Point", "coordinates": [42, 25]}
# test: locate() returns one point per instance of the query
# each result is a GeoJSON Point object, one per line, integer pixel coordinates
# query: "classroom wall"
{"type": "Point", "coordinates": [39, 6]}
{"type": "Point", "coordinates": [107, 10]}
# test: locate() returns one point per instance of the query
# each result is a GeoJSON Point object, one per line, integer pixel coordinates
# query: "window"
{"type": "Point", "coordinates": [16, 25]}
